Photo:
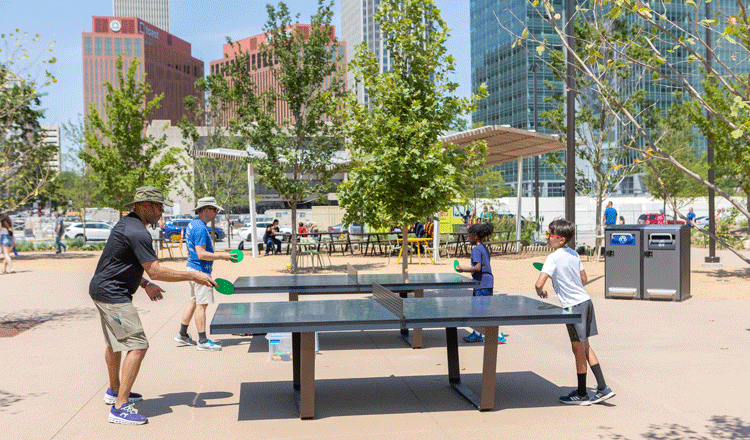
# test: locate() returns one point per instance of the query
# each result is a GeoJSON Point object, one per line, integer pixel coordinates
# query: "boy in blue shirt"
{"type": "Point", "coordinates": [565, 269]}
{"type": "Point", "coordinates": [480, 270]}
{"type": "Point", "coordinates": [201, 258]}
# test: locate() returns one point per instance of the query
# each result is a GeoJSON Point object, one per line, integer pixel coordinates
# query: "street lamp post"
{"type": "Point", "coordinates": [570, 164]}
{"type": "Point", "coordinates": [534, 68]}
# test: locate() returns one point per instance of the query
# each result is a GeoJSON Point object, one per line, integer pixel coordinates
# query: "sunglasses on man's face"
{"type": "Point", "coordinates": [552, 235]}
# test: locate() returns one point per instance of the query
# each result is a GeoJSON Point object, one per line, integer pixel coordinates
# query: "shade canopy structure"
{"type": "Point", "coordinates": [507, 144]}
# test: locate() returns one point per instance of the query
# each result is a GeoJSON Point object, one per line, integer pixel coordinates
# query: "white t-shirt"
{"type": "Point", "coordinates": [564, 268]}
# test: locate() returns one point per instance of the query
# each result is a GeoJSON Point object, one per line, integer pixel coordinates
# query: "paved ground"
{"type": "Point", "coordinates": [679, 369]}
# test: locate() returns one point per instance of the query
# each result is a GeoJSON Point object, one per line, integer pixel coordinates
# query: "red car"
{"type": "Point", "coordinates": [652, 219]}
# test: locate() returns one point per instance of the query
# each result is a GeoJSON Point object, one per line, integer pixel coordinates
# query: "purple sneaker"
{"type": "Point", "coordinates": [127, 415]}
{"type": "Point", "coordinates": [110, 397]}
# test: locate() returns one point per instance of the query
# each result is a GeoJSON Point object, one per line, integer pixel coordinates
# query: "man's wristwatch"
{"type": "Point", "coordinates": [145, 283]}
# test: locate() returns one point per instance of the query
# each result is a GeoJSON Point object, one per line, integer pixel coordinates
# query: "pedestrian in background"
{"type": "Point", "coordinates": [610, 215]}
{"type": "Point", "coordinates": [59, 231]}
{"type": "Point", "coordinates": [7, 243]}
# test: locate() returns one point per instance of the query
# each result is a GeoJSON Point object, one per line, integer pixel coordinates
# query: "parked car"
{"type": "Point", "coordinates": [19, 224]}
{"type": "Point", "coordinates": [94, 231]}
{"type": "Point", "coordinates": [651, 219]}
{"type": "Point", "coordinates": [701, 221]}
{"type": "Point", "coordinates": [356, 228]}
{"type": "Point", "coordinates": [178, 226]}
{"type": "Point", "coordinates": [260, 229]}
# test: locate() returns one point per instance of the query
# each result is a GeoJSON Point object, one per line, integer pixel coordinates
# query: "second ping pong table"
{"type": "Point", "coordinates": [354, 282]}
{"type": "Point", "coordinates": [388, 310]}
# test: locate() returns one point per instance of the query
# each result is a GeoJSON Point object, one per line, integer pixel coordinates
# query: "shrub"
{"type": "Point", "coordinates": [24, 246]}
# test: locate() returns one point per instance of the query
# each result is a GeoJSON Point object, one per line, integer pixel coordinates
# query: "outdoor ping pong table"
{"type": "Point", "coordinates": [354, 282]}
{"type": "Point", "coordinates": [386, 310]}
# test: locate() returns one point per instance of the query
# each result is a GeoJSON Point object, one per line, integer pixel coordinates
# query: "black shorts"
{"type": "Point", "coordinates": [587, 327]}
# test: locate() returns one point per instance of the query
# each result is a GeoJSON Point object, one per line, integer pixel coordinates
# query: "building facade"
{"type": "Point", "coordinates": [358, 26]}
{"type": "Point", "coordinates": [261, 64]}
{"type": "Point", "coordinates": [155, 12]}
{"type": "Point", "coordinates": [164, 61]}
{"type": "Point", "coordinates": [52, 137]}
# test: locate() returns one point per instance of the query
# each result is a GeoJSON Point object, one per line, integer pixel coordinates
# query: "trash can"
{"type": "Point", "coordinates": [623, 263]}
{"type": "Point", "coordinates": [666, 262]}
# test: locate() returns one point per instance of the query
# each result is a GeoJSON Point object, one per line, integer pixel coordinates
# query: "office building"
{"type": "Point", "coordinates": [261, 73]}
{"type": "Point", "coordinates": [155, 12]}
{"type": "Point", "coordinates": [357, 26]}
{"type": "Point", "coordinates": [165, 62]}
{"type": "Point", "coordinates": [52, 136]}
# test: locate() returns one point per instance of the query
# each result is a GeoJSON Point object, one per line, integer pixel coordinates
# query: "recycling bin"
{"type": "Point", "coordinates": [666, 262]}
{"type": "Point", "coordinates": [623, 269]}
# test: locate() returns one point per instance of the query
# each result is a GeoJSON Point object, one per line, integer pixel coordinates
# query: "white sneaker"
{"type": "Point", "coordinates": [183, 340]}
{"type": "Point", "coordinates": [209, 345]}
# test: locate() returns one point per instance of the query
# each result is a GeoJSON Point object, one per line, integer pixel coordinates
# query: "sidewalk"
{"type": "Point", "coordinates": [679, 369]}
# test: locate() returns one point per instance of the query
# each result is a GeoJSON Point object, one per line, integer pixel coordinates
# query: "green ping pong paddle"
{"type": "Point", "coordinates": [538, 265]}
{"type": "Point", "coordinates": [238, 255]}
{"type": "Point", "coordinates": [455, 265]}
{"type": "Point", "coordinates": [224, 286]}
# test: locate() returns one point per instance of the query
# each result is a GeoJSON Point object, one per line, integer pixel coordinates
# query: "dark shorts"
{"type": "Point", "coordinates": [587, 327]}
{"type": "Point", "coordinates": [482, 292]}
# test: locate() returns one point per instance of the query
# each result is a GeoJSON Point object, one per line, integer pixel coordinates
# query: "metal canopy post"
{"type": "Point", "coordinates": [518, 211]}
{"type": "Point", "coordinates": [251, 206]}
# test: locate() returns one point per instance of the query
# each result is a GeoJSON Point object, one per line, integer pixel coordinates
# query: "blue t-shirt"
{"type": "Point", "coordinates": [611, 216]}
{"type": "Point", "coordinates": [480, 255]}
{"type": "Point", "coordinates": [197, 234]}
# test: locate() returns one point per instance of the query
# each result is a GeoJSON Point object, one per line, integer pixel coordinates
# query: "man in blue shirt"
{"type": "Point", "coordinates": [201, 258]}
{"type": "Point", "coordinates": [691, 217]}
{"type": "Point", "coordinates": [610, 215]}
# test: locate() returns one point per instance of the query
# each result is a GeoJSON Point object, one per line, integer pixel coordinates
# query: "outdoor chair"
{"type": "Point", "coordinates": [175, 242]}
{"type": "Point", "coordinates": [393, 245]}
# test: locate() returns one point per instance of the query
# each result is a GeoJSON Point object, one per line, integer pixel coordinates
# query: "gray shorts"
{"type": "Point", "coordinates": [587, 327]}
{"type": "Point", "coordinates": [121, 326]}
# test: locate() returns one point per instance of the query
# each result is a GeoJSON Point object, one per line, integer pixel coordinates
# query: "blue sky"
{"type": "Point", "coordinates": [203, 23]}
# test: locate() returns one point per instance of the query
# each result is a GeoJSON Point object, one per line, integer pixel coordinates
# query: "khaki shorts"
{"type": "Point", "coordinates": [199, 293]}
{"type": "Point", "coordinates": [121, 326]}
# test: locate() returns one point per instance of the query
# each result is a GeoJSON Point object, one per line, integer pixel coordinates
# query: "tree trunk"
{"type": "Point", "coordinates": [405, 248]}
{"type": "Point", "coordinates": [229, 230]}
{"type": "Point", "coordinates": [748, 208]}
{"type": "Point", "coordinates": [293, 240]}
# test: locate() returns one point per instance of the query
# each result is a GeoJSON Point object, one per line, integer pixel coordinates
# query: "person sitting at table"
{"type": "Point", "coordinates": [429, 228]}
{"type": "Point", "coordinates": [269, 238]}
{"type": "Point", "coordinates": [395, 229]}
{"type": "Point", "coordinates": [312, 228]}
{"type": "Point", "coordinates": [301, 229]}
{"type": "Point", "coordinates": [419, 232]}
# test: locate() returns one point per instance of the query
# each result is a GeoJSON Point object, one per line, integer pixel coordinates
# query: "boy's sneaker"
{"type": "Point", "coordinates": [183, 340]}
{"type": "Point", "coordinates": [209, 345]}
{"type": "Point", "coordinates": [602, 395]}
{"type": "Point", "coordinates": [127, 415]}
{"type": "Point", "coordinates": [110, 397]}
{"type": "Point", "coordinates": [574, 399]}
{"type": "Point", "coordinates": [501, 339]}
{"type": "Point", "coordinates": [474, 337]}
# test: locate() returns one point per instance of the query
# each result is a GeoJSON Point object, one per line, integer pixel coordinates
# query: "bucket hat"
{"type": "Point", "coordinates": [207, 201]}
{"type": "Point", "coordinates": [149, 194]}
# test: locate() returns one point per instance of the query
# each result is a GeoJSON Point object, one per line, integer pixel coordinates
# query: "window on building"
{"type": "Point", "coordinates": [97, 46]}
{"type": "Point", "coordinates": [107, 46]}
{"type": "Point", "coordinates": [87, 46]}
{"type": "Point", "coordinates": [137, 51]}
{"type": "Point", "coordinates": [118, 46]}
{"type": "Point", "coordinates": [128, 47]}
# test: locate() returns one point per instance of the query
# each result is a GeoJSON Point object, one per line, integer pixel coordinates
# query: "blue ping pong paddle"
{"type": "Point", "coordinates": [224, 287]}
{"type": "Point", "coordinates": [237, 254]}
{"type": "Point", "coordinates": [538, 265]}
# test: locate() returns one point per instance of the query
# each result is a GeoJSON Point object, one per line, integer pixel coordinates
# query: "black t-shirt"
{"type": "Point", "coordinates": [270, 232]}
{"type": "Point", "coordinates": [120, 269]}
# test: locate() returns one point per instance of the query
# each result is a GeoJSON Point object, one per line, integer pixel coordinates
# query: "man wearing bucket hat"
{"type": "Point", "coordinates": [119, 273]}
{"type": "Point", "coordinates": [201, 258]}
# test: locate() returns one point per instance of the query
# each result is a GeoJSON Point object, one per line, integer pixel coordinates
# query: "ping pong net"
{"type": "Point", "coordinates": [352, 273]}
{"type": "Point", "coordinates": [391, 301]}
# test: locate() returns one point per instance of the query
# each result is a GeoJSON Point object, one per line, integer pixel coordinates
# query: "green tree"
{"type": "Point", "coordinates": [24, 158]}
{"type": "Point", "coordinates": [671, 48]}
{"type": "Point", "coordinates": [487, 183]}
{"type": "Point", "coordinates": [118, 150]}
{"type": "Point", "coordinates": [600, 133]}
{"type": "Point", "coordinates": [297, 155]}
{"type": "Point", "coordinates": [678, 140]}
{"type": "Point", "coordinates": [224, 179]}
{"type": "Point", "coordinates": [401, 172]}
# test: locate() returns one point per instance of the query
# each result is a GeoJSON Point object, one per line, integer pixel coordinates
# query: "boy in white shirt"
{"type": "Point", "coordinates": [565, 269]}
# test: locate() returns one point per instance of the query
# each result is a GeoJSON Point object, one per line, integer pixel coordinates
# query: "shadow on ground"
{"type": "Point", "coordinates": [164, 404]}
{"type": "Point", "coordinates": [740, 274]}
{"type": "Point", "coordinates": [719, 428]}
{"type": "Point", "coordinates": [64, 315]}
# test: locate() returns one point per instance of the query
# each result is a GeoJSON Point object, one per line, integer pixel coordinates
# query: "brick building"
{"type": "Point", "coordinates": [164, 59]}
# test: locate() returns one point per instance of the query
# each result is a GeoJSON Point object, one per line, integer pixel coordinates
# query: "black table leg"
{"type": "Point", "coordinates": [303, 364]}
